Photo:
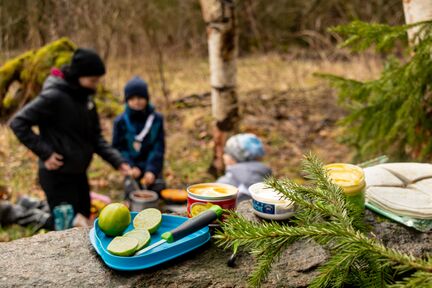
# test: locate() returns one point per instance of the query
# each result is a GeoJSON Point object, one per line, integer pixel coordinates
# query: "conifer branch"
{"type": "Point", "coordinates": [325, 217]}
{"type": "Point", "coordinates": [391, 114]}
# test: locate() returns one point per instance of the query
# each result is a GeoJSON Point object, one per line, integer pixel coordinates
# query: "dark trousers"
{"type": "Point", "coordinates": [62, 188]}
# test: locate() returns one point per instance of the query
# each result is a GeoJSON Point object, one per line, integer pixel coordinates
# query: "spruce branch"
{"type": "Point", "coordinates": [266, 256]}
{"type": "Point", "coordinates": [419, 279]}
{"type": "Point", "coordinates": [390, 114]}
{"type": "Point", "coordinates": [361, 35]}
{"type": "Point", "coordinates": [356, 258]}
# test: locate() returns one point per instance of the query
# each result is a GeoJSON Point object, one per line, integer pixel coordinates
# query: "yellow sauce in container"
{"type": "Point", "coordinates": [351, 179]}
{"type": "Point", "coordinates": [212, 190]}
{"type": "Point", "coordinates": [202, 196]}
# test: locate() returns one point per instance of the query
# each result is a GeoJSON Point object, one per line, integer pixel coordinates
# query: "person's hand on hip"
{"type": "Point", "coordinates": [54, 162]}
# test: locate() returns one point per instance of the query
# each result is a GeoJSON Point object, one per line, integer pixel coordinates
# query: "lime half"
{"type": "Point", "coordinates": [149, 219]}
{"type": "Point", "coordinates": [123, 246]}
{"type": "Point", "coordinates": [142, 235]}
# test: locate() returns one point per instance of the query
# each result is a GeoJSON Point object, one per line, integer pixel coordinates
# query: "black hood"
{"type": "Point", "coordinates": [70, 88]}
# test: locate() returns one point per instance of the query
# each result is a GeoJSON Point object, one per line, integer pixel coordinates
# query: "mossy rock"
{"type": "Point", "coordinates": [55, 54]}
{"type": "Point", "coordinates": [30, 70]}
{"type": "Point", "coordinates": [10, 71]}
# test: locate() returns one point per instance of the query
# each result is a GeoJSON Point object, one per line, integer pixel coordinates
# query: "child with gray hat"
{"type": "Point", "coordinates": [242, 155]}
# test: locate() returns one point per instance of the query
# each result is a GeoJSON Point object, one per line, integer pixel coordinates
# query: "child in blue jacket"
{"type": "Point", "coordinates": [139, 136]}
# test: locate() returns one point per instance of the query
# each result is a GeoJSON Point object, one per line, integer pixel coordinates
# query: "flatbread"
{"type": "Point", "coordinates": [424, 185]}
{"type": "Point", "coordinates": [403, 201]}
{"type": "Point", "coordinates": [378, 176]}
{"type": "Point", "coordinates": [398, 212]}
{"type": "Point", "coordinates": [402, 188]}
{"type": "Point", "coordinates": [409, 172]}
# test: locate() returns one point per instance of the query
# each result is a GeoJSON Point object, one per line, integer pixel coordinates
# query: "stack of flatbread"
{"type": "Point", "coordinates": [404, 189]}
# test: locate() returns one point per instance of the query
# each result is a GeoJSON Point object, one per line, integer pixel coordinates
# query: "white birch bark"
{"type": "Point", "coordinates": [220, 18]}
{"type": "Point", "coordinates": [416, 11]}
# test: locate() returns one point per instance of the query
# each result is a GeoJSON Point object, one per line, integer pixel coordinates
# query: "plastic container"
{"type": "Point", "coordinates": [157, 255]}
{"type": "Point", "coordinates": [351, 179]}
{"type": "Point", "coordinates": [203, 196]}
{"type": "Point", "coordinates": [267, 203]}
{"type": "Point", "coordinates": [143, 199]}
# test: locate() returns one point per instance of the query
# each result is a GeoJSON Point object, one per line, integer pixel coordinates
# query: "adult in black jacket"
{"type": "Point", "coordinates": [69, 132]}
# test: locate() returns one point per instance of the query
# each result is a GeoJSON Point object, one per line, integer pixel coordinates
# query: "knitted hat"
{"type": "Point", "coordinates": [244, 147]}
{"type": "Point", "coordinates": [86, 62]}
{"type": "Point", "coordinates": [136, 87]}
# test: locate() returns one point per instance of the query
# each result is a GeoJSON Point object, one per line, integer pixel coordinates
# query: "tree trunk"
{"type": "Point", "coordinates": [416, 11]}
{"type": "Point", "coordinates": [220, 18]}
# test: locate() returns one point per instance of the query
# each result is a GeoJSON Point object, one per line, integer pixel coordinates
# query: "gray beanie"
{"type": "Point", "coordinates": [244, 147]}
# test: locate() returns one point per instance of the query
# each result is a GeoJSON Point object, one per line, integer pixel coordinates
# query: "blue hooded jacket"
{"type": "Point", "coordinates": [150, 158]}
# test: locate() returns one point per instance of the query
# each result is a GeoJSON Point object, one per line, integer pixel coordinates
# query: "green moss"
{"type": "Point", "coordinates": [9, 102]}
{"type": "Point", "coordinates": [107, 103]}
{"type": "Point", "coordinates": [11, 69]}
{"type": "Point", "coordinates": [63, 58]}
{"type": "Point", "coordinates": [32, 68]}
{"type": "Point", "coordinates": [47, 57]}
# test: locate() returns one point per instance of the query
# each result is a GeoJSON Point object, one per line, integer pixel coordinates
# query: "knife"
{"type": "Point", "coordinates": [192, 225]}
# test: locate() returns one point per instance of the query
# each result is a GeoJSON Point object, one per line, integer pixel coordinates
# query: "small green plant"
{"type": "Point", "coordinates": [392, 114]}
{"type": "Point", "coordinates": [357, 259]}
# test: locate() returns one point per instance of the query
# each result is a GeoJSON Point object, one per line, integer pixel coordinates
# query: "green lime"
{"type": "Point", "coordinates": [142, 235]}
{"type": "Point", "coordinates": [149, 219]}
{"type": "Point", "coordinates": [123, 246]}
{"type": "Point", "coordinates": [114, 219]}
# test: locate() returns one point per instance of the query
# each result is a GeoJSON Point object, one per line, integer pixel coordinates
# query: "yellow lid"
{"type": "Point", "coordinates": [349, 177]}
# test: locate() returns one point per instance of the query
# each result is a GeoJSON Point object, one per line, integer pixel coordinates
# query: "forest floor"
{"type": "Point", "coordinates": [291, 110]}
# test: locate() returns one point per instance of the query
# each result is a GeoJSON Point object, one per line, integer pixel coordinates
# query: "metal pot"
{"type": "Point", "coordinates": [142, 199]}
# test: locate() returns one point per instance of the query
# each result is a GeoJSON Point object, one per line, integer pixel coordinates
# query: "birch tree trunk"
{"type": "Point", "coordinates": [220, 18]}
{"type": "Point", "coordinates": [416, 11]}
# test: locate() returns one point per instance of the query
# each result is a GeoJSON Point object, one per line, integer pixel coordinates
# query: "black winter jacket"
{"type": "Point", "coordinates": [68, 125]}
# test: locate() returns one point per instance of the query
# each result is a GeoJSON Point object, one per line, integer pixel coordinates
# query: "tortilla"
{"type": "Point", "coordinates": [402, 201]}
{"type": "Point", "coordinates": [424, 185]}
{"type": "Point", "coordinates": [409, 172]}
{"type": "Point", "coordinates": [378, 176]}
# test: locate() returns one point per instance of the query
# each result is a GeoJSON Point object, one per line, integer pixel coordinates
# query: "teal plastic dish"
{"type": "Point", "coordinates": [157, 255]}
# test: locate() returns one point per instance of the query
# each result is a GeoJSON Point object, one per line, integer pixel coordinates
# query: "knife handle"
{"type": "Point", "coordinates": [194, 224]}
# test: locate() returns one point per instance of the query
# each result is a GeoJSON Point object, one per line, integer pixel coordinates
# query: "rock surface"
{"type": "Point", "coordinates": [67, 259]}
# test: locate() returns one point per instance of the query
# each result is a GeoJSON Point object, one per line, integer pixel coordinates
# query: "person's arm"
{"type": "Point", "coordinates": [103, 149]}
{"type": "Point", "coordinates": [228, 178]}
{"type": "Point", "coordinates": [35, 113]}
{"type": "Point", "coordinates": [155, 159]}
{"type": "Point", "coordinates": [118, 135]}
{"type": "Point", "coordinates": [119, 141]}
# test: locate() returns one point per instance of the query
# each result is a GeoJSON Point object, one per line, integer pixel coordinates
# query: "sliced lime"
{"type": "Point", "coordinates": [149, 219]}
{"type": "Point", "coordinates": [123, 246]}
{"type": "Point", "coordinates": [142, 235]}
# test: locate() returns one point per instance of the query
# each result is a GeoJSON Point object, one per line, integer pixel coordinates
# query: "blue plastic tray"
{"type": "Point", "coordinates": [157, 255]}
